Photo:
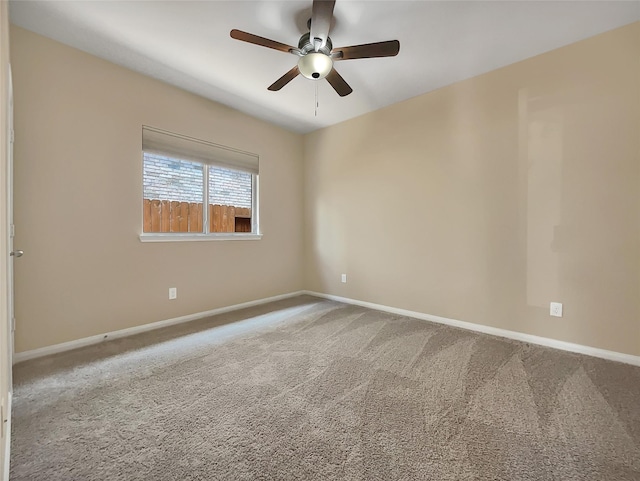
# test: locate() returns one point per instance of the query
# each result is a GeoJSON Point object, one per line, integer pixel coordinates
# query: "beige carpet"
{"type": "Point", "coordinates": [308, 389]}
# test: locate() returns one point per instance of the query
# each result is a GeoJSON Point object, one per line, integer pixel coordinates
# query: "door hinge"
{"type": "Point", "coordinates": [13, 135]}
{"type": "Point", "coordinates": [13, 324]}
{"type": "Point", "coordinates": [12, 230]}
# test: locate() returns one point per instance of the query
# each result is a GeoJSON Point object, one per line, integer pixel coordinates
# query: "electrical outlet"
{"type": "Point", "coordinates": [555, 309]}
{"type": "Point", "coordinates": [344, 278]}
{"type": "Point", "coordinates": [173, 292]}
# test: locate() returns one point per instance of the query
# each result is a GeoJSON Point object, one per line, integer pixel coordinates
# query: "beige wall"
{"type": "Point", "coordinates": [482, 201]}
{"type": "Point", "coordinates": [485, 200]}
{"type": "Point", "coordinates": [78, 194]}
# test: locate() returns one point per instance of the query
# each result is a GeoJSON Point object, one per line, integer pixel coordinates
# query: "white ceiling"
{"type": "Point", "coordinates": [187, 44]}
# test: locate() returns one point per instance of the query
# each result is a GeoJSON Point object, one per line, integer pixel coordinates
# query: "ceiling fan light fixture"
{"type": "Point", "coordinates": [315, 65]}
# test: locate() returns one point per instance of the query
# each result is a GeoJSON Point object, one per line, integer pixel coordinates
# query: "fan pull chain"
{"type": "Point", "coordinates": [316, 106]}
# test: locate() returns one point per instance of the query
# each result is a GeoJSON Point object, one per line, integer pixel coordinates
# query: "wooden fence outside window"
{"type": "Point", "coordinates": [173, 216]}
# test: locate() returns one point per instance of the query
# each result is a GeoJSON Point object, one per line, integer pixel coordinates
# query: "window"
{"type": "Point", "coordinates": [194, 189]}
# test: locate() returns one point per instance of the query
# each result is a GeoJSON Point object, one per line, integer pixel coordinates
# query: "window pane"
{"type": "Point", "coordinates": [173, 194]}
{"type": "Point", "coordinates": [230, 200]}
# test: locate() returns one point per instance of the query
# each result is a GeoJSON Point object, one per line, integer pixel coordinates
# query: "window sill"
{"type": "Point", "coordinates": [197, 237]}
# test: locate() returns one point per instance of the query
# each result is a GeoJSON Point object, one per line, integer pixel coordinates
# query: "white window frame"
{"type": "Point", "coordinates": [206, 235]}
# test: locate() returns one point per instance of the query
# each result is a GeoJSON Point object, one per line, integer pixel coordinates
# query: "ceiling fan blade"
{"type": "Point", "coordinates": [389, 48]}
{"type": "Point", "coordinates": [285, 79]}
{"type": "Point", "coordinates": [338, 83]}
{"type": "Point", "coordinates": [321, 16]}
{"type": "Point", "coordinates": [263, 42]}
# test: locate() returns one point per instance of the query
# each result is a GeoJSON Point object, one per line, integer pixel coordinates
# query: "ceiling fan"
{"type": "Point", "coordinates": [316, 53]}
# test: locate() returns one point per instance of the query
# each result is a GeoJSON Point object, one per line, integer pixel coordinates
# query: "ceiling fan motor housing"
{"type": "Point", "coordinates": [305, 46]}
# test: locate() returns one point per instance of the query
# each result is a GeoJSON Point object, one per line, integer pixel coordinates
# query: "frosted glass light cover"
{"type": "Point", "coordinates": [315, 65]}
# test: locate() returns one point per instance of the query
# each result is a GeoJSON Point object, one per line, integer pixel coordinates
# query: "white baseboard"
{"type": "Point", "coordinates": [7, 441]}
{"type": "Point", "coordinates": [518, 336]}
{"type": "Point", "coordinates": [87, 341]}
